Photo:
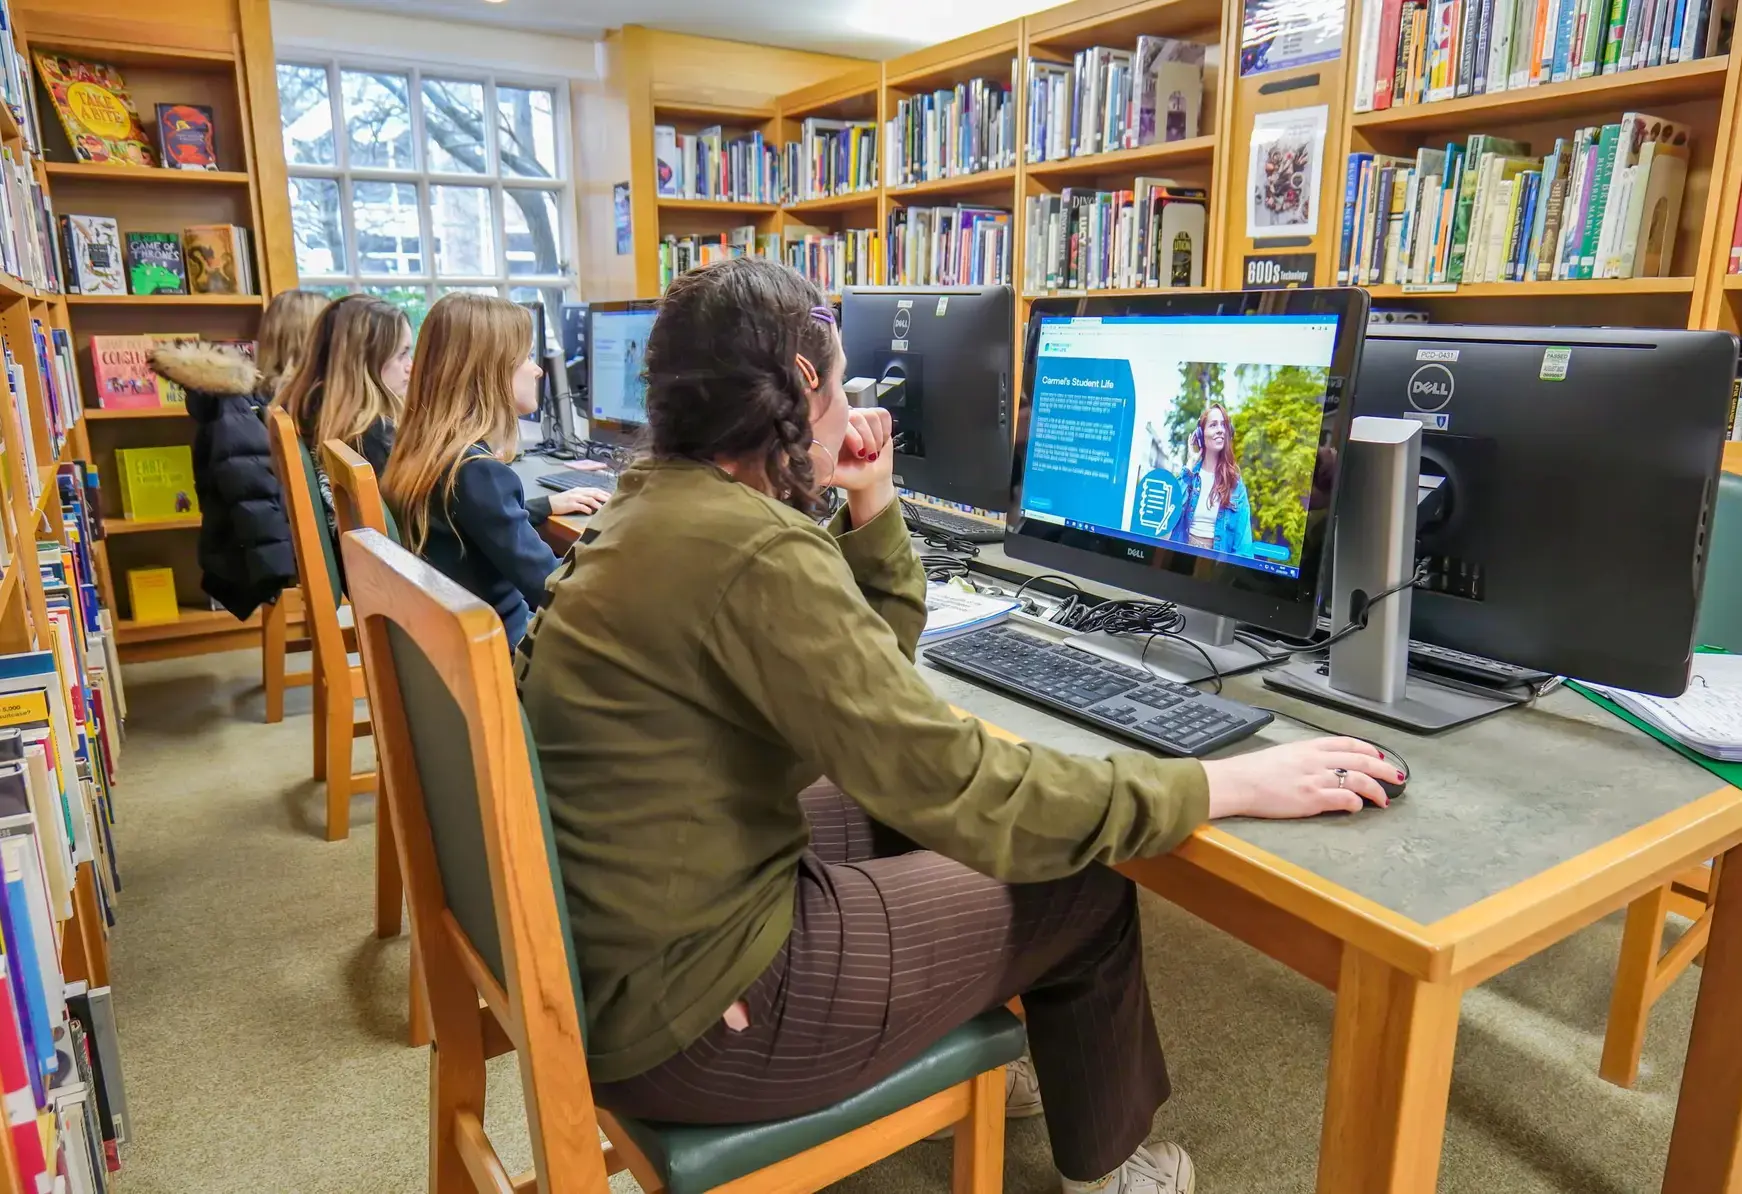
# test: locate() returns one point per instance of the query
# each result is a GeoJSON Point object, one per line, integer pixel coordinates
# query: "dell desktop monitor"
{"type": "Point", "coordinates": [616, 339]}
{"type": "Point", "coordinates": [1184, 447]}
{"type": "Point", "coordinates": [1576, 471]}
{"type": "Point", "coordinates": [940, 359]}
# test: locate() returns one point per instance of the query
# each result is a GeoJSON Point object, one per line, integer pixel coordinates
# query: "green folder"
{"type": "Point", "coordinates": [1730, 773]}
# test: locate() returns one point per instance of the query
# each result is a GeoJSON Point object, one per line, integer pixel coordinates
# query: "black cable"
{"type": "Point", "coordinates": [1023, 587]}
{"type": "Point", "coordinates": [1215, 672]}
{"type": "Point", "coordinates": [933, 535]}
{"type": "Point", "coordinates": [1358, 617]}
{"type": "Point", "coordinates": [943, 567]}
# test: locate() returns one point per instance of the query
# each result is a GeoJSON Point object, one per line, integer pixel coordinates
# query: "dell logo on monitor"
{"type": "Point", "coordinates": [1137, 553]}
{"type": "Point", "coordinates": [1430, 388]}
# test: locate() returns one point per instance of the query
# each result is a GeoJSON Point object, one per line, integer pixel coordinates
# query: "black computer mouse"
{"type": "Point", "coordinates": [1394, 788]}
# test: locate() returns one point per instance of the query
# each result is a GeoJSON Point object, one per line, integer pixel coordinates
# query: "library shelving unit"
{"type": "Point", "coordinates": [989, 54]}
{"type": "Point", "coordinates": [1057, 34]}
{"type": "Point", "coordinates": [207, 67]}
{"type": "Point", "coordinates": [1701, 93]}
{"type": "Point", "coordinates": [854, 95]}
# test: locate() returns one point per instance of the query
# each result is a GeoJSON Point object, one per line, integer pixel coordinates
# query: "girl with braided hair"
{"type": "Point", "coordinates": [755, 941]}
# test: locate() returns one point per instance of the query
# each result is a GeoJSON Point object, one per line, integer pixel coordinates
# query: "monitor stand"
{"type": "Point", "coordinates": [1204, 647]}
{"type": "Point", "coordinates": [1368, 673]}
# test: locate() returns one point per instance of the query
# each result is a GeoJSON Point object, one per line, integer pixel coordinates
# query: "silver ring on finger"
{"type": "Point", "coordinates": [1342, 774]}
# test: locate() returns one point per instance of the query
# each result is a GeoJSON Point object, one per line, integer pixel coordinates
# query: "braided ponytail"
{"type": "Point", "coordinates": [723, 380]}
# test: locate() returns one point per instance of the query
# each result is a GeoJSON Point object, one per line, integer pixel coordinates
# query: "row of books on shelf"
{"type": "Point", "coordinates": [61, 714]}
{"type": "Point", "coordinates": [835, 260]}
{"type": "Point", "coordinates": [831, 157]}
{"type": "Point", "coordinates": [831, 260]}
{"type": "Point", "coordinates": [709, 165]}
{"type": "Point", "coordinates": [1424, 51]}
{"type": "Point", "coordinates": [965, 129]}
{"type": "Point", "coordinates": [50, 354]}
{"type": "Point", "coordinates": [122, 374]}
{"type": "Point", "coordinates": [200, 259]}
{"type": "Point", "coordinates": [1107, 99]}
{"type": "Point", "coordinates": [15, 91]}
{"type": "Point", "coordinates": [1083, 239]}
{"type": "Point", "coordinates": [949, 246]}
{"type": "Point", "coordinates": [1603, 203]}
{"type": "Point", "coordinates": [26, 224]}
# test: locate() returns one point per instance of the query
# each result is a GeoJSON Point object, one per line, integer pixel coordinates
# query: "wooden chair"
{"type": "Point", "coordinates": [479, 856]}
{"type": "Point", "coordinates": [337, 685]}
{"type": "Point", "coordinates": [283, 629]}
{"type": "Point", "coordinates": [357, 505]}
{"type": "Point", "coordinates": [1646, 969]}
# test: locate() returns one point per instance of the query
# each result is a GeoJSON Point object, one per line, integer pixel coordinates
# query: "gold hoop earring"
{"type": "Point", "coordinates": [824, 482]}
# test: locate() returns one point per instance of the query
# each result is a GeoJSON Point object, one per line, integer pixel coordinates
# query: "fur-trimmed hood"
{"type": "Point", "coordinates": [206, 369]}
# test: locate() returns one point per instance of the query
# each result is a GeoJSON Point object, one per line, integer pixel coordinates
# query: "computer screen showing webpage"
{"type": "Point", "coordinates": [617, 355]}
{"type": "Point", "coordinates": [1195, 433]}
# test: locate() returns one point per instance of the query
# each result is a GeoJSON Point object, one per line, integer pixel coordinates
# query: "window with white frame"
{"type": "Point", "coordinates": [410, 184]}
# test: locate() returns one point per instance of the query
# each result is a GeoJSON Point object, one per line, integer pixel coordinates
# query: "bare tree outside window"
{"type": "Point", "coordinates": [411, 184]}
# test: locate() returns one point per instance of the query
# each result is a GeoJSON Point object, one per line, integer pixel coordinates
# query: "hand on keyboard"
{"type": "Point", "coordinates": [1300, 779]}
{"type": "Point", "coordinates": [581, 500]}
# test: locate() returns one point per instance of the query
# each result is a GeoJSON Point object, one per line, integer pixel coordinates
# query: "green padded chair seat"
{"type": "Point", "coordinates": [691, 1159]}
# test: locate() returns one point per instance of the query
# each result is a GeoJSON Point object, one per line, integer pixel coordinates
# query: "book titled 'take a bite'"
{"type": "Point", "coordinates": [95, 109]}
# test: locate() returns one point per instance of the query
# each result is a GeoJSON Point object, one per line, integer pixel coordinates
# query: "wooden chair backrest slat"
{"type": "Point", "coordinates": [356, 490]}
{"type": "Point", "coordinates": [406, 612]}
{"type": "Point", "coordinates": [316, 569]}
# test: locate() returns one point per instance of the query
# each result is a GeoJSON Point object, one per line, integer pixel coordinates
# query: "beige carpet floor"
{"type": "Point", "coordinates": [262, 1023]}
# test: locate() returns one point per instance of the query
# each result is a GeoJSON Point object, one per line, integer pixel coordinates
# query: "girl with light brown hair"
{"type": "Point", "coordinates": [457, 502]}
{"type": "Point", "coordinates": [284, 331]}
{"type": "Point", "coordinates": [351, 380]}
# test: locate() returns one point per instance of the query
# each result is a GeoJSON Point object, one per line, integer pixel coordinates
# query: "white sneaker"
{"type": "Point", "coordinates": [1021, 1094]}
{"type": "Point", "coordinates": [1159, 1168]}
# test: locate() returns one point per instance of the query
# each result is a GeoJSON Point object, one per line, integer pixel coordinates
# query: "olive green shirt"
{"type": "Point", "coordinates": [709, 654]}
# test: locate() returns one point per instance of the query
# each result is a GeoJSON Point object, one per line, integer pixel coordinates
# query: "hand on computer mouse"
{"type": "Point", "coordinates": [580, 500]}
{"type": "Point", "coordinates": [1300, 779]}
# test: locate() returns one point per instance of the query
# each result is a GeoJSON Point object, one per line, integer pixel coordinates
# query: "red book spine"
{"type": "Point", "coordinates": [1384, 69]}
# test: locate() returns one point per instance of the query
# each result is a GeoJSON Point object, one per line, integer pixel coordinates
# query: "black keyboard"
{"type": "Point", "coordinates": [1471, 667]}
{"type": "Point", "coordinates": [1130, 702]}
{"type": "Point", "coordinates": [928, 520]}
{"type": "Point", "coordinates": [577, 478]}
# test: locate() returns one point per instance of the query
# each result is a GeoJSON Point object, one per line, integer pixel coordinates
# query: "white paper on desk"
{"type": "Point", "coordinates": [1707, 717]}
{"type": "Point", "coordinates": [951, 611]}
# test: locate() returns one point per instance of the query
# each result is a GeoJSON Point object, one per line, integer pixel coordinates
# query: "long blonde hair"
{"type": "Point", "coordinates": [461, 393]}
{"type": "Point", "coordinates": [336, 391]}
{"type": "Point", "coordinates": [284, 331]}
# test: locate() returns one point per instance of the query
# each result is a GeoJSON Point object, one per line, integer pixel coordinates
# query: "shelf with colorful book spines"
{"type": "Point", "coordinates": [1579, 201]}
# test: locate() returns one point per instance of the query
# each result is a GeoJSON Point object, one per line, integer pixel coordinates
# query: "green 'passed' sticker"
{"type": "Point", "coordinates": [1554, 364]}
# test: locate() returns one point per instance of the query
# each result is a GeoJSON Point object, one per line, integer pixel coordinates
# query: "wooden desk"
{"type": "Point", "coordinates": [1514, 833]}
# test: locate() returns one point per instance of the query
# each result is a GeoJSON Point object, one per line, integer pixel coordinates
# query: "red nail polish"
{"type": "Point", "coordinates": [1382, 754]}
{"type": "Point", "coordinates": [1401, 777]}
{"type": "Point", "coordinates": [873, 456]}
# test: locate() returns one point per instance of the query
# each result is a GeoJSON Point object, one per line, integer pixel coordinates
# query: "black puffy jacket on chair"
{"type": "Point", "coordinates": [246, 558]}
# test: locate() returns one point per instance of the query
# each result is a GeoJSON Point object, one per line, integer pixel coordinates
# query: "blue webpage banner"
{"type": "Point", "coordinates": [1080, 441]}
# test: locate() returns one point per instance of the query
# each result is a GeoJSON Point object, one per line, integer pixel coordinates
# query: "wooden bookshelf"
{"type": "Point", "coordinates": [221, 57]}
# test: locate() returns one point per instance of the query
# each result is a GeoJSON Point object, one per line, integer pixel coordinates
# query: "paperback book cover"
{"type": "Point", "coordinates": [95, 109]}
{"type": "Point", "coordinates": [93, 250]}
{"type": "Point", "coordinates": [154, 263]}
{"type": "Point", "coordinates": [121, 369]}
{"type": "Point", "coordinates": [157, 483]}
{"type": "Point", "coordinates": [185, 132]}
{"type": "Point", "coordinates": [210, 252]}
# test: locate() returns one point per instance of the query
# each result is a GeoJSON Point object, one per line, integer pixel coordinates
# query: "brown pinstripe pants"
{"type": "Point", "coordinates": [891, 948]}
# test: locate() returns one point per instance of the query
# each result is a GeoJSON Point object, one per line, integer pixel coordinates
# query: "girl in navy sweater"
{"type": "Point", "coordinates": [458, 503]}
